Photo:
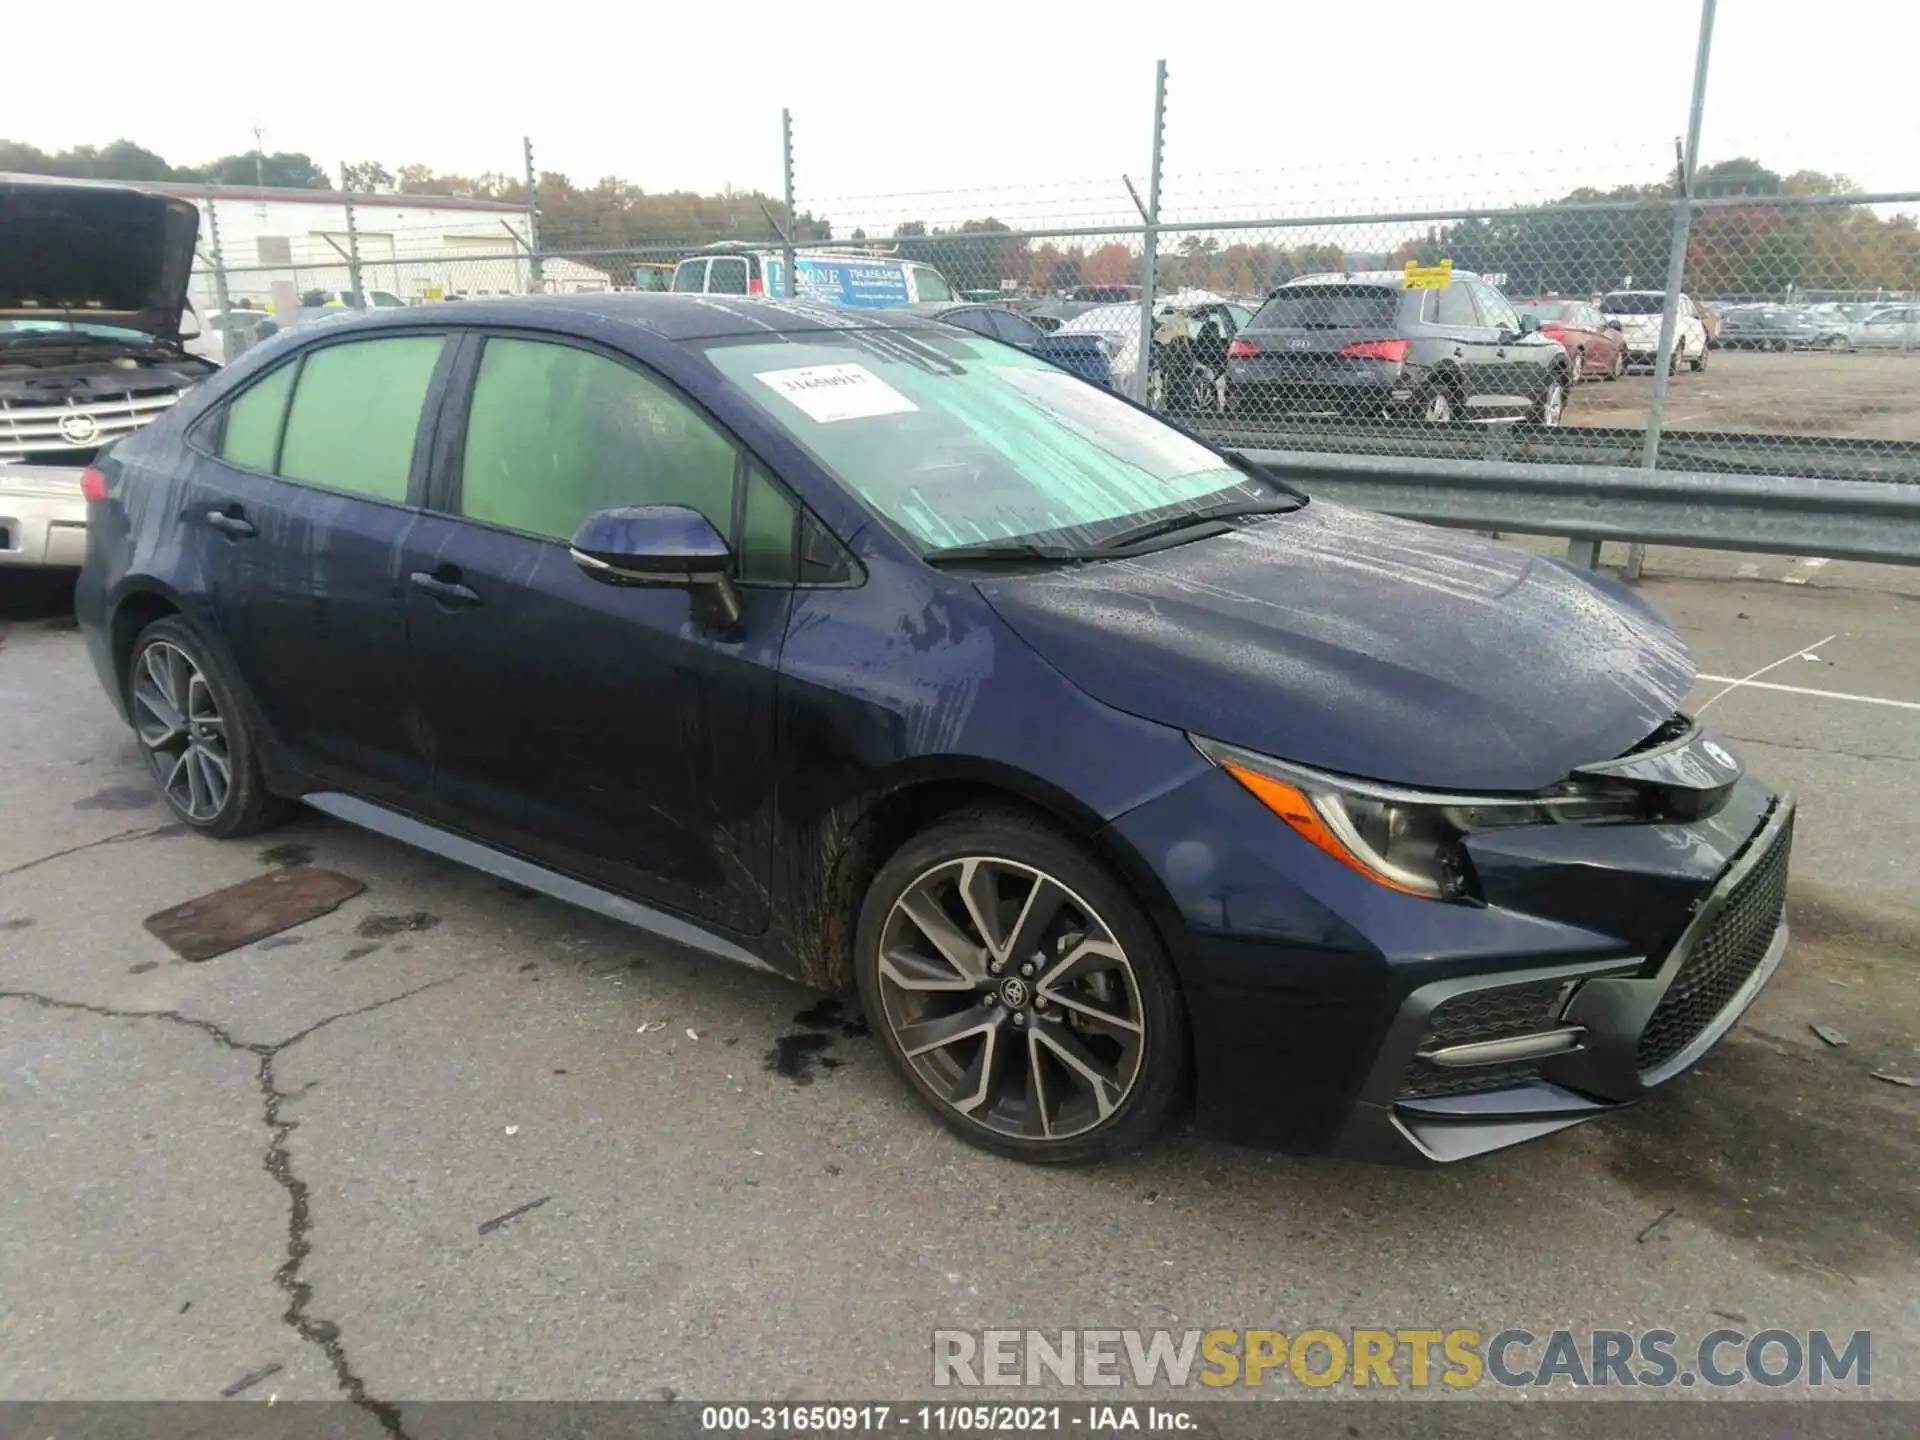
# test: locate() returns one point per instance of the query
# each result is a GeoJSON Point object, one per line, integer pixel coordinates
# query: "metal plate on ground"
{"type": "Point", "coordinates": [252, 910]}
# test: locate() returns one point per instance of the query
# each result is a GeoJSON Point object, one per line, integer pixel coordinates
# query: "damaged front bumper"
{"type": "Point", "coordinates": [1475, 1064]}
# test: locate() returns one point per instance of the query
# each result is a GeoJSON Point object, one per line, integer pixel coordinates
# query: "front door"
{"type": "Point", "coordinates": [617, 734]}
{"type": "Point", "coordinates": [304, 506]}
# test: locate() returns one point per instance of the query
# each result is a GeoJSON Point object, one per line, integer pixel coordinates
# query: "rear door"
{"type": "Point", "coordinates": [1474, 347]}
{"type": "Point", "coordinates": [315, 481]}
{"type": "Point", "coordinates": [611, 733]}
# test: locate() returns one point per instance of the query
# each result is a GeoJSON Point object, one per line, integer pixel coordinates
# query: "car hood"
{"type": "Point", "coordinates": [102, 253]}
{"type": "Point", "coordinates": [1365, 645]}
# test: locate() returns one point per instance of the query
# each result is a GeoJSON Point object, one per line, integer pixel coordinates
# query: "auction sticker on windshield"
{"type": "Point", "coordinates": [837, 392]}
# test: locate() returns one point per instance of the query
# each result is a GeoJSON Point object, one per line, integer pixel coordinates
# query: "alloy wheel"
{"type": "Point", "coordinates": [1010, 999]}
{"type": "Point", "coordinates": [1553, 404]}
{"type": "Point", "coordinates": [1439, 408]}
{"type": "Point", "coordinates": [182, 732]}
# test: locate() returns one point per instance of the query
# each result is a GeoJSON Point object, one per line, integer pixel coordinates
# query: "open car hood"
{"type": "Point", "coordinates": [87, 251]}
{"type": "Point", "coordinates": [1366, 645]}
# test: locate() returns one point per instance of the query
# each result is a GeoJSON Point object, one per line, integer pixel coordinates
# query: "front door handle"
{"type": "Point", "coordinates": [443, 589]}
{"type": "Point", "coordinates": [232, 523]}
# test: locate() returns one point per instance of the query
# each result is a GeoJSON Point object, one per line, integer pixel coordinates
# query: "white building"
{"type": "Point", "coordinates": [417, 247]}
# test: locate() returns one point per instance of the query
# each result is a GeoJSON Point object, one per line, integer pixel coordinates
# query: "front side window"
{"type": "Point", "coordinates": [356, 413]}
{"type": "Point", "coordinates": [957, 440]}
{"type": "Point", "coordinates": [556, 433]}
{"type": "Point", "coordinates": [930, 284]}
{"type": "Point", "coordinates": [1495, 312]}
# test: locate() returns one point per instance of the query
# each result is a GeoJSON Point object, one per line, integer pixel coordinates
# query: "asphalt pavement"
{"type": "Point", "coordinates": [456, 1141]}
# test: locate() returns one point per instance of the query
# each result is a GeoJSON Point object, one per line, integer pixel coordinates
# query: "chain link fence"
{"type": "Point", "coordinates": [1500, 315]}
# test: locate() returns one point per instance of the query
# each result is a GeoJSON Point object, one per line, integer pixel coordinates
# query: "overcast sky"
{"type": "Point", "coordinates": [1031, 110]}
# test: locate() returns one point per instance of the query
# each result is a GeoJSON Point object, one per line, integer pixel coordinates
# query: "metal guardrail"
{"type": "Point", "coordinates": [1699, 451]}
{"type": "Point", "coordinates": [1773, 514]}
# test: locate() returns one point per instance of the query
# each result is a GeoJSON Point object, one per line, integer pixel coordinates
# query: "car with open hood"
{"type": "Point", "coordinates": [1111, 772]}
{"type": "Point", "coordinates": [93, 329]}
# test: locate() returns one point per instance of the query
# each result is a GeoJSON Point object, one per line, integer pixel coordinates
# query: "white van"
{"type": "Point", "coordinates": [853, 279]}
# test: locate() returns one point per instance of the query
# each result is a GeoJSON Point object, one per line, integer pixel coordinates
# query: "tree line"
{"type": "Point", "coordinates": [1587, 241]}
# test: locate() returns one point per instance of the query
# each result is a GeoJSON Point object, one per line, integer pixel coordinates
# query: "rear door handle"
{"type": "Point", "coordinates": [449, 590]}
{"type": "Point", "coordinates": [232, 523]}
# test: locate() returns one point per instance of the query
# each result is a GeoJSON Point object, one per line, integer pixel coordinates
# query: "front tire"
{"type": "Point", "coordinates": [194, 735]}
{"type": "Point", "coordinates": [1699, 362]}
{"type": "Point", "coordinates": [1020, 992]}
{"type": "Point", "coordinates": [1619, 366]}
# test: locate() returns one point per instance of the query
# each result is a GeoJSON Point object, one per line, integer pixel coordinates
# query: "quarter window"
{"type": "Point", "coordinates": [356, 413]}
{"type": "Point", "coordinates": [250, 438]}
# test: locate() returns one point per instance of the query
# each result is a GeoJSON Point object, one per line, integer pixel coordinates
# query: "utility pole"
{"type": "Point", "coordinates": [536, 275]}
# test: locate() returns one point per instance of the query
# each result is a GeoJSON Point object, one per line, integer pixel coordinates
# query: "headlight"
{"type": "Point", "coordinates": [1409, 840]}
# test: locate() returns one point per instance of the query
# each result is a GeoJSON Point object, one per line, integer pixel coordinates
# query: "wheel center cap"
{"type": "Point", "coordinates": [1015, 993]}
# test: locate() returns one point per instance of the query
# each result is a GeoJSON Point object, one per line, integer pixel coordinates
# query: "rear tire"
{"type": "Point", "coordinates": [1436, 405]}
{"type": "Point", "coordinates": [1579, 367]}
{"type": "Point", "coordinates": [1019, 991]}
{"type": "Point", "coordinates": [1551, 407]}
{"type": "Point", "coordinates": [194, 734]}
{"type": "Point", "coordinates": [1699, 362]}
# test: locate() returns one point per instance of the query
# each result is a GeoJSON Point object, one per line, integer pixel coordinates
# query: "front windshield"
{"type": "Point", "coordinates": [1548, 312]}
{"type": "Point", "coordinates": [960, 440]}
{"type": "Point", "coordinates": [71, 327]}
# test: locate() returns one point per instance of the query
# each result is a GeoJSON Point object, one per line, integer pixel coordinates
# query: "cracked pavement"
{"type": "Point", "coordinates": [454, 1141]}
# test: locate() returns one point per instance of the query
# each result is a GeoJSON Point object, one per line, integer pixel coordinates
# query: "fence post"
{"type": "Point", "coordinates": [227, 353]}
{"type": "Point", "coordinates": [1676, 265]}
{"type": "Point", "coordinates": [536, 275]}
{"type": "Point", "coordinates": [1150, 232]}
{"type": "Point", "coordinates": [788, 274]}
{"type": "Point", "coordinates": [359, 300]}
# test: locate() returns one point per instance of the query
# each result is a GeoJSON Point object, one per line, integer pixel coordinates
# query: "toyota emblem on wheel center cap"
{"type": "Point", "coordinates": [1013, 993]}
{"type": "Point", "coordinates": [79, 429]}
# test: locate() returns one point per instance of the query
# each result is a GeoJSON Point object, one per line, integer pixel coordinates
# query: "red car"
{"type": "Point", "coordinates": [1594, 343]}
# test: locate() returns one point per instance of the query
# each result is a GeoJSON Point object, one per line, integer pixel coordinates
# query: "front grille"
{"type": "Point", "coordinates": [1491, 1014]}
{"type": "Point", "coordinates": [47, 431]}
{"type": "Point", "coordinates": [1722, 958]}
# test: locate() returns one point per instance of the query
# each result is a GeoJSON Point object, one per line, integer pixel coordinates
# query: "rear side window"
{"type": "Point", "coordinates": [251, 435]}
{"type": "Point", "coordinates": [1455, 307]}
{"type": "Point", "coordinates": [690, 277]}
{"type": "Point", "coordinates": [356, 413]}
{"type": "Point", "coordinates": [1330, 307]}
{"type": "Point", "coordinates": [1633, 303]}
{"type": "Point", "coordinates": [727, 276]}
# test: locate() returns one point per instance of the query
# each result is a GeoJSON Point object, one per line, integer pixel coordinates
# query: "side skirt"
{"type": "Point", "coordinates": [408, 831]}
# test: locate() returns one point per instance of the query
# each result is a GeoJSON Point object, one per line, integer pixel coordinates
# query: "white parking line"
{"type": "Point", "coordinates": [1748, 679]}
{"type": "Point", "coordinates": [1802, 690]}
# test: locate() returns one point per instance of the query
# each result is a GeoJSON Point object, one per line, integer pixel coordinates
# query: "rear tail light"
{"type": "Point", "coordinates": [1553, 331]}
{"type": "Point", "coordinates": [1242, 350]}
{"type": "Point", "coordinates": [93, 485]}
{"type": "Point", "coordinates": [1393, 350]}
{"type": "Point", "coordinates": [753, 286]}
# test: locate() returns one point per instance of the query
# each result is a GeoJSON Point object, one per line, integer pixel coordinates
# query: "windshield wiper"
{"type": "Point", "coordinates": [1206, 515]}
{"type": "Point", "coordinates": [1023, 551]}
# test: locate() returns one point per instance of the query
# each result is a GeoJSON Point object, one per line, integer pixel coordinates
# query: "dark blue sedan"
{"type": "Point", "coordinates": [1109, 771]}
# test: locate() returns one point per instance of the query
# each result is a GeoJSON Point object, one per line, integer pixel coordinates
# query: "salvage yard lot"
{"type": "Point", "coordinates": [452, 1140]}
{"type": "Point", "coordinates": [1860, 396]}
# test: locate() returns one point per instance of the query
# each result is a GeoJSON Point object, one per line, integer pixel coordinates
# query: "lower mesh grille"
{"type": "Point", "coordinates": [1492, 1014]}
{"type": "Point", "coordinates": [1723, 957]}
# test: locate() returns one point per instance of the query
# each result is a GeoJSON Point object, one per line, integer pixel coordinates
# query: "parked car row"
{"type": "Point", "coordinates": [1827, 326]}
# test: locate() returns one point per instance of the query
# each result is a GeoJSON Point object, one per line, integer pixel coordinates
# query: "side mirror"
{"type": "Point", "coordinates": [1615, 325]}
{"type": "Point", "coordinates": [1529, 324]}
{"type": "Point", "coordinates": [659, 545]}
{"type": "Point", "coordinates": [189, 324]}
